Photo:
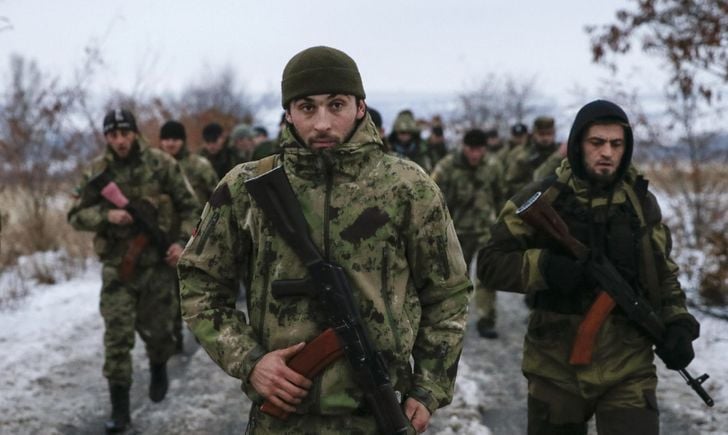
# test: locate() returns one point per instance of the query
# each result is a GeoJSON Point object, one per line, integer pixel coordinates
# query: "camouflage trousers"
{"type": "Point", "coordinates": [309, 424]}
{"type": "Point", "coordinates": [485, 299]}
{"type": "Point", "coordinates": [629, 407]}
{"type": "Point", "coordinates": [146, 305]}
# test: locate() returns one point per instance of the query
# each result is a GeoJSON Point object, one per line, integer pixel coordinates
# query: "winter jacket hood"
{"type": "Point", "coordinates": [598, 110]}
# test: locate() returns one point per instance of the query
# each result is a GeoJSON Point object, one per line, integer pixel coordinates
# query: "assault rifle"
{"type": "Point", "coordinates": [613, 290]}
{"type": "Point", "coordinates": [143, 214]}
{"type": "Point", "coordinates": [328, 284]}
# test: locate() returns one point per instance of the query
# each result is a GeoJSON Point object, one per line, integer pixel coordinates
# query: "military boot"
{"type": "Point", "coordinates": [158, 383]}
{"type": "Point", "coordinates": [120, 418]}
{"type": "Point", "coordinates": [486, 328]}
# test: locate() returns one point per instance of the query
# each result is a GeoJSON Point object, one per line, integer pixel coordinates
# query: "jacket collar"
{"type": "Point", "coordinates": [344, 162]}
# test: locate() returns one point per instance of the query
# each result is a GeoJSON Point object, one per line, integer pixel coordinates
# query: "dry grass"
{"type": "Point", "coordinates": [700, 221]}
{"type": "Point", "coordinates": [27, 229]}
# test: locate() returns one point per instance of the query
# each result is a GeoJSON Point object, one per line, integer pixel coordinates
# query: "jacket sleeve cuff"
{"type": "Point", "coordinates": [425, 397]}
{"type": "Point", "coordinates": [246, 368]}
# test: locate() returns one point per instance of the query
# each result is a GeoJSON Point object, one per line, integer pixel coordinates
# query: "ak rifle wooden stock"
{"type": "Point", "coordinates": [613, 291]}
{"type": "Point", "coordinates": [315, 356]}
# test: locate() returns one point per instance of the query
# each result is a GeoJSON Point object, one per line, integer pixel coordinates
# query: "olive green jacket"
{"type": "Point", "coordinates": [512, 261]}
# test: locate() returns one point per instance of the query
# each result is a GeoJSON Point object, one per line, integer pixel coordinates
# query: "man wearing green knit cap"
{"type": "Point", "coordinates": [379, 217]}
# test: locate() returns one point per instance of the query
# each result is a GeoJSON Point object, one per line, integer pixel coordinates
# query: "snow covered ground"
{"type": "Point", "coordinates": [51, 381]}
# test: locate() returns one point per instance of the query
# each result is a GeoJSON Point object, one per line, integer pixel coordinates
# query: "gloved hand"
{"type": "Point", "coordinates": [564, 274]}
{"type": "Point", "coordinates": [677, 346]}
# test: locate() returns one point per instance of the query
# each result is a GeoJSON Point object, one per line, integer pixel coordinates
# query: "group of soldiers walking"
{"type": "Point", "coordinates": [405, 219]}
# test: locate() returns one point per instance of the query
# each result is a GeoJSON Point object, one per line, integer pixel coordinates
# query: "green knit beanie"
{"type": "Point", "coordinates": [320, 70]}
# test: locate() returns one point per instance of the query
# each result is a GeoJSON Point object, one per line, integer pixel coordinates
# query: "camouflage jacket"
{"type": "Point", "coordinates": [384, 221]}
{"type": "Point", "coordinates": [473, 194]}
{"type": "Point", "coordinates": [523, 161]}
{"type": "Point", "coordinates": [149, 175]}
{"type": "Point", "coordinates": [512, 261]}
{"type": "Point", "coordinates": [224, 160]}
{"type": "Point", "coordinates": [199, 173]}
{"type": "Point", "coordinates": [203, 179]}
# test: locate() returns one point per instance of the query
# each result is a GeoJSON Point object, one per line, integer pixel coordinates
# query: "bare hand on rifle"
{"type": "Point", "coordinates": [275, 381]}
{"type": "Point", "coordinates": [119, 217]}
{"type": "Point", "coordinates": [417, 414]}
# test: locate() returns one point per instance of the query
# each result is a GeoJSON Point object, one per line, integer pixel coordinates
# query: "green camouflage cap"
{"type": "Point", "coordinates": [543, 123]}
{"type": "Point", "coordinates": [320, 70]}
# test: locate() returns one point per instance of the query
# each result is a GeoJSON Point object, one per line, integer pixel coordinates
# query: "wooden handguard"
{"type": "Point", "coordinates": [315, 356]}
{"type": "Point", "coordinates": [586, 335]}
{"type": "Point", "coordinates": [131, 257]}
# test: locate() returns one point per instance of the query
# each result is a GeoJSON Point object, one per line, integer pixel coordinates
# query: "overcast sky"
{"type": "Point", "coordinates": [400, 46]}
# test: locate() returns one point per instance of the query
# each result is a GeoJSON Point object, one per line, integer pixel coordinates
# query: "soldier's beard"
{"type": "Point", "coordinates": [311, 142]}
{"type": "Point", "coordinates": [602, 178]}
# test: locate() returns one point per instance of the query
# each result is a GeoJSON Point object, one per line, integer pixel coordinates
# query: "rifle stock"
{"type": "Point", "coordinates": [614, 291]}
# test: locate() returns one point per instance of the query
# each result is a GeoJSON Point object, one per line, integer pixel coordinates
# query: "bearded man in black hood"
{"type": "Point", "coordinates": [606, 205]}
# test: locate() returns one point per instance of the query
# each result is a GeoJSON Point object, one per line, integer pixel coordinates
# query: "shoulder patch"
{"type": "Point", "coordinates": [221, 196]}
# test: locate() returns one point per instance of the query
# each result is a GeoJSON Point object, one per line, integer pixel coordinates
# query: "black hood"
{"type": "Point", "coordinates": [595, 111]}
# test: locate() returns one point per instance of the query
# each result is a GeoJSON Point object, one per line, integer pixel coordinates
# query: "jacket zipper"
{"type": "Point", "coordinates": [327, 205]}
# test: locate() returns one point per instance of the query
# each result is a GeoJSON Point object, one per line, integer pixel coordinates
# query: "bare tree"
{"type": "Point", "coordinates": [37, 146]}
{"type": "Point", "coordinates": [496, 102]}
{"type": "Point", "coordinates": [689, 155]}
{"type": "Point", "coordinates": [690, 37]}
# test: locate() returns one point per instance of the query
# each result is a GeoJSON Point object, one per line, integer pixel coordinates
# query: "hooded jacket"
{"type": "Point", "coordinates": [379, 217]}
{"type": "Point", "coordinates": [612, 221]}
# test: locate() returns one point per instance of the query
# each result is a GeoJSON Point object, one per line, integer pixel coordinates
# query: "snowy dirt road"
{"type": "Point", "coordinates": [51, 381]}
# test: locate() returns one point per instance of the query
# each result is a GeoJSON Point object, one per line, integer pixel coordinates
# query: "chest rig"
{"type": "Point", "coordinates": [616, 228]}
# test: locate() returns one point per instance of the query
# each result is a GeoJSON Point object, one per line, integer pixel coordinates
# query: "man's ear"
{"type": "Point", "coordinates": [361, 110]}
{"type": "Point", "coordinates": [288, 116]}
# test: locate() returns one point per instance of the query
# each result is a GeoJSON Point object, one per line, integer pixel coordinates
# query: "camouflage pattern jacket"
{"type": "Point", "coordinates": [473, 194]}
{"type": "Point", "coordinates": [512, 261]}
{"type": "Point", "coordinates": [199, 173]}
{"type": "Point", "coordinates": [147, 174]}
{"type": "Point", "coordinates": [201, 176]}
{"type": "Point", "coordinates": [224, 160]}
{"type": "Point", "coordinates": [523, 161]}
{"type": "Point", "coordinates": [384, 221]}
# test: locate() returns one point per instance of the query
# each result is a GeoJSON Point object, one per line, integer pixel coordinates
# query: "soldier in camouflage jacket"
{"type": "Point", "coordinates": [202, 178]}
{"type": "Point", "coordinates": [379, 217]}
{"type": "Point", "coordinates": [472, 185]}
{"type": "Point", "coordinates": [145, 301]}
